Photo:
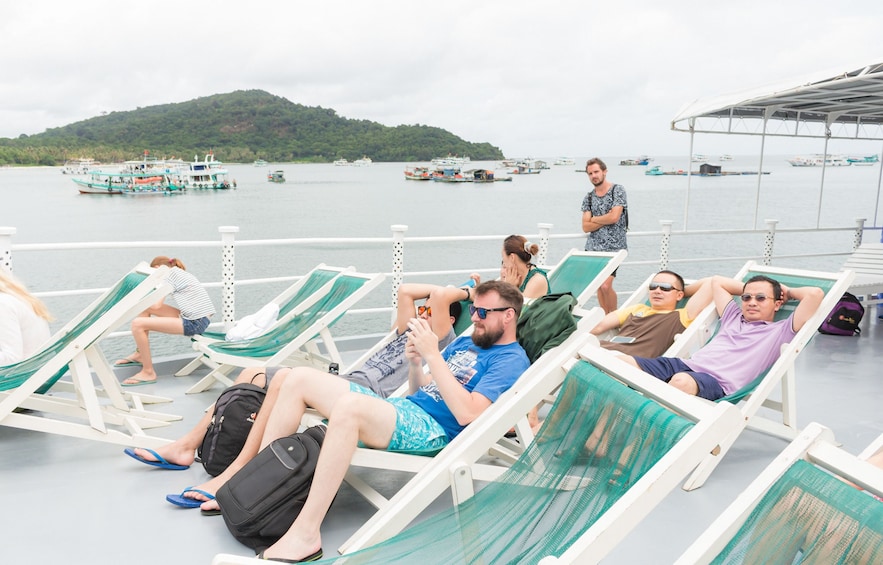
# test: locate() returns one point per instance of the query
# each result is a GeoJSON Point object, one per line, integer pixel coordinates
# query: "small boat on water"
{"type": "Point", "coordinates": [699, 158]}
{"type": "Point", "coordinates": [655, 170]}
{"type": "Point", "coordinates": [450, 174]}
{"type": "Point", "coordinates": [205, 174]}
{"type": "Point", "coordinates": [482, 175]}
{"type": "Point", "coordinates": [363, 162]}
{"type": "Point", "coordinates": [819, 160]}
{"type": "Point", "coordinates": [864, 161]}
{"type": "Point", "coordinates": [81, 166]}
{"type": "Point", "coordinates": [725, 157]}
{"type": "Point", "coordinates": [418, 173]}
{"type": "Point", "coordinates": [564, 161]}
{"type": "Point", "coordinates": [341, 163]}
{"type": "Point", "coordinates": [450, 161]}
{"type": "Point", "coordinates": [260, 163]}
{"type": "Point", "coordinates": [113, 182]}
{"type": "Point", "coordinates": [642, 160]}
{"type": "Point", "coordinates": [276, 176]}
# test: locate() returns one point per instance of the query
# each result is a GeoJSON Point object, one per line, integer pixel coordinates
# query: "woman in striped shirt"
{"type": "Point", "coordinates": [191, 317]}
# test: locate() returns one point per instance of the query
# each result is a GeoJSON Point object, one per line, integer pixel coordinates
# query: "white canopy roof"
{"type": "Point", "coordinates": [842, 105]}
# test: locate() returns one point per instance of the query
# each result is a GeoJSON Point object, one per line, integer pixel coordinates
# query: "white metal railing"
{"type": "Point", "coordinates": [399, 243]}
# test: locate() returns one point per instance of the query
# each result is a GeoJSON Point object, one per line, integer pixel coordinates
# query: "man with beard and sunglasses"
{"type": "Point", "coordinates": [747, 343]}
{"type": "Point", "coordinates": [461, 382]}
{"type": "Point", "coordinates": [648, 330]}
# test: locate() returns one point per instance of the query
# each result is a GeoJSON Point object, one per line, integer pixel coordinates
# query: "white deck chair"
{"type": "Point", "coordinates": [867, 264]}
{"type": "Point", "coordinates": [581, 273]}
{"type": "Point", "coordinates": [33, 384]}
{"type": "Point", "coordinates": [293, 300]}
{"type": "Point", "coordinates": [750, 521]}
{"type": "Point", "coordinates": [292, 342]}
{"type": "Point", "coordinates": [588, 538]}
{"type": "Point", "coordinates": [781, 375]}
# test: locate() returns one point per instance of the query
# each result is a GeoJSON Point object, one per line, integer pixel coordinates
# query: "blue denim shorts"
{"type": "Point", "coordinates": [416, 431]}
{"type": "Point", "coordinates": [194, 327]}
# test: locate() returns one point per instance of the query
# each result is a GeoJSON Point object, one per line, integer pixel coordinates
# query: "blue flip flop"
{"type": "Point", "coordinates": [187, 502]}
{"type": "Point", "coordinates": [160, 461]}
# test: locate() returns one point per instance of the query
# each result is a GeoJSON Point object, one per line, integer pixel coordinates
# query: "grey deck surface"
{"type": "Point", "coordinates": [76, 501]}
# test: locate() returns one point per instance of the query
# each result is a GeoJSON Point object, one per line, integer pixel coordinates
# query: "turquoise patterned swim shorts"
{"type": "Point", "coordinates": [416, 431]}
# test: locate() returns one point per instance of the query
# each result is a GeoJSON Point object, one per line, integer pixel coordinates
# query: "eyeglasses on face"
{"type": "Point", "coordinates": [422, 309]}
{"type": "Point", "coordinates": [760, 297]}
{"type": "Point", "coordinates": [482, 312]}
{"type": "Point", "coordinates": [664, 287]}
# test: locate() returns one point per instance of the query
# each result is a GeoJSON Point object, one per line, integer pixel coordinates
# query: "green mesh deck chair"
{"type": "Point", "coordinates": [581, 273]}
{"type": "Point", "coordinates": [88, 410]}
{"type": "Point", "coordinates": [292, 301]}
{"type": "Point", "coordinates": [561, 500]}
{"type": "Point", "coordinates": [293, 340]}
{"type": "Point", "coordinates": [781, 375]}
{"type": "Point", "coordinates": [800, 510]}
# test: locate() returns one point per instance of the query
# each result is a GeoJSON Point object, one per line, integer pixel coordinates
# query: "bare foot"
{"type": "Point", "coordinates": [291, 547]}
{"type": "Point", "coordinates": [171, 453]}
{"type": "Point", "coordinates": [141, 377]}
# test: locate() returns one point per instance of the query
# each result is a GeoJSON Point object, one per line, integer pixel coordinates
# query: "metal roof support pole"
{"type": "Point", "coordinates": [877, 201]}
{"type": "Point", "coordinates": [692, 123]}
{"type": "Point", "coordinates": [6, 248]}
{"type": "Point", "coordinates": [766, 115]}
{"type": "Point", "coordinates": [398, 263]}
{"type": "Point", "coordinates": [544, 230]}
{"type": "Point", "coordinates": [824, 165]}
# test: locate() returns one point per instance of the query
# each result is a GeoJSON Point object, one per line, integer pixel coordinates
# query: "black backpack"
{"type": "Point", "coordinates": [260, 502]}
{"type": "Point", "coordinates": [845, 317]}
{"type": "Point", "coordinates": [235, 411]}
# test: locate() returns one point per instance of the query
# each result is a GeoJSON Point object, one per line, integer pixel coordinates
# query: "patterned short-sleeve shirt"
{"type": "Point", "coordinates": [612, 237]}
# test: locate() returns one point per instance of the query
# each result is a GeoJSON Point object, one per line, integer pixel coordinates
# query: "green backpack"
{"type": "Point", "coordinates": [546, 323]}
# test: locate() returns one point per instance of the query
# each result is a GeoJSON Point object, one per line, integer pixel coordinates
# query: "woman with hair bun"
{"type": "Point", "coordinates": [517, 268]}
{"type": "Point", "coordinates": [24, 326]}
{"type": "Point", "coordinates": [191, 317]}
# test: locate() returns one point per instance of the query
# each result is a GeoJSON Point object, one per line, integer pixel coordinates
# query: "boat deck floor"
{"type": "Point", "coordinates": [68, 500]}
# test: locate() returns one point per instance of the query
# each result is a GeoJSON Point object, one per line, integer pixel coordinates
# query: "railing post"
{"type": "Point", "coordinates": [398, 263]}
{"type": "Point", "coordinates": [768, 241]}
{"type": "Point", "coordinates": [664, 244]}
{"type": "Point", "coordinates": [6, 248]}
{"type": "Point", "coordinates": [859, 233]}
{"type": "Point", "coordinates": [544, 230]}
{"type": "Point", "coordinates": [228, 274]}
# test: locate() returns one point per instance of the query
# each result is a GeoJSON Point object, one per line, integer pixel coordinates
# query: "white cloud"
{"type": "Point", "coordinates": [560, 77]}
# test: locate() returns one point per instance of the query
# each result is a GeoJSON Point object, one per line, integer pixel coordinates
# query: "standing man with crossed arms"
{"type": "Point", "coordinates": [604, 220]}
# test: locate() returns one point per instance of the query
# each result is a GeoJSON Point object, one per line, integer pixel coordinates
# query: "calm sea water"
{"type": "Point", "coordinates": [328, 201]}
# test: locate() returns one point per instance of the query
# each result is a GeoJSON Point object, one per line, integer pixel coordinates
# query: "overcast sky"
{"type": "Point", "coordinates": [551, 78]}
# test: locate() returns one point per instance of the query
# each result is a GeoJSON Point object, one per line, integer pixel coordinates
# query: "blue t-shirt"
{"type": "Point", "coordinates": [489, 372]}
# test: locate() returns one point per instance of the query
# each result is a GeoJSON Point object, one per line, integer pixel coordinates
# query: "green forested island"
{"type": "Point", "coordinates": [239, 127]}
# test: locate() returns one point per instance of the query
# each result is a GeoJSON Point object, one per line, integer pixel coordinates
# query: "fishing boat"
{"type": "Point", "coordinates": [276, 176]}
{"type": "Point", "coordinates": [449, 174]}
{"type": "Point", "coordinates": [81, 166]}
{"type": "Point", "coordinates": [96, 504]}
{"type": "Point", "coordinates": [260, 163]}
{"type": "Point", "coordinates": [655, 170]}
{"type": "Point", "coordinates": [341, 163]}
{"type": "Point", "coordinates": [418, 173]}
{"type": "Point", "coordinates": [116, 182]}
{"type": "Point", "coordinates": [819, 160]}
{"type": "Point", "coordinates": [642, 160]}
{"type": "Point", "coordinates": [207, 174]}
{"type": "Point", "coordinates": [450, 161]}
{"type": "Point", "coordinates": [866, 161]}
{"type": "Point", "coordinates": [363, 162]}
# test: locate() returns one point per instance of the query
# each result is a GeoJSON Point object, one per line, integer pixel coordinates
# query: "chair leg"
{"type": "Point", "coordinates": [191, 366]}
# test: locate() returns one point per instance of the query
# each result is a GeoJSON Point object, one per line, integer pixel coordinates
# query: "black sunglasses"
{"type": "Point", "coordinates": [664, 287]}
{"type": "Point", "coordinates": [482, 312]}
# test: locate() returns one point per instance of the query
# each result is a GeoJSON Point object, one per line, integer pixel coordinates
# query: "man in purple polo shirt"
{"type": "Point", "coordinates": [747, 343]}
